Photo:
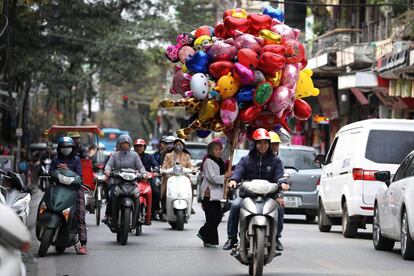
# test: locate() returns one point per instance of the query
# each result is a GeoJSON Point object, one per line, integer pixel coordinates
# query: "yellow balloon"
{"type": "Point", "coordinates": [304, 86]}
{"type": "Point", "coordinates": [184, 68]}
{"type": "Point", "coordinates": [275, 81]}
{"type": "Point", "coordinates": [228, 86]}
{"type": "Point", "coordinates": [239, 13]}
{"type": "Point", "coordinates": [270, 37]}
{"type": "Point", "coordinates": [208, 109]}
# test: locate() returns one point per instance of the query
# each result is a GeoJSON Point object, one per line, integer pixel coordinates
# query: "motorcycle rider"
{"type": "Point", "coordinates": [67, 159]}
{"type": "Point", "coordinates": [80, 150]}
{"type": "Point", "coordinates": [274, 146]}
{"type": "Point", "coordinates": [150, 165]}
{"type": "Point", "coordinates": [179, 155]}
{"type": "Point", "coordinates": [123, 158]}
{"type": "Point", "coordinates": [161, 151]}
{"type": "Point", "coordinates": [260, 163]}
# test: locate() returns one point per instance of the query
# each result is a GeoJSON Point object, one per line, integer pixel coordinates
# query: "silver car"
{"type": "Point", "coordinates": [394, 209]}
{"type": "Point", "coordinates": [304, 175]}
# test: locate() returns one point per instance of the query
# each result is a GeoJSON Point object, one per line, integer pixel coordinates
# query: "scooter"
{"type": "Point", "coordinates": [98, 193]}
{"type": "Point", "coordinates": [179, 194]}
{"type": "Point", "coordinates": [14, 237]}
{"type": "Point", "coordinates": [125, 203]}
{"type": "Point", "coordinates": [15, 194]}
{"type": "Point", "coordinates": [55, 216]}
{"type": "Point", "coordinates": [145, 203]}
{"type": "Point", "coordinates": [44, 177]}
{"type": "Point", "coordinates": [257, 225]}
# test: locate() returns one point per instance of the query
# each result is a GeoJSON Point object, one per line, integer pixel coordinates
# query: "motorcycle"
{"type": "Point", "coordinates": [179, 194]}
{"type": "Point", "coordinates": [100, 183]}
{"type": "Point", "coordinates": [15, 194]}
{"type": "Point", "coordinates": [145, 203]}
{"type": "Point", "coordinates": [44, 177]}
{"type": "Point", "coordinates": [125, 203]}
{"type": "Point", "coordinates": [257, 225]}
{"type": "Point", "coordinates": [14, 236]}
{"type": "Point", "coordinates": [55, 216]}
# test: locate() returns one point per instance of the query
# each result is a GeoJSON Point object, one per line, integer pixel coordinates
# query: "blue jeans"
{"type": "Point", "coordinates": [233, 221]}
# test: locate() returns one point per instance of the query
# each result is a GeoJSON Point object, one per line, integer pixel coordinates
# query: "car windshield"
{"type": "Point", "coordinates": [389, 146]}
{"type": "Point", "coordinates": [298, 158]}
{"type": "Point", "coordinates": [197, 153]}
{"type": "Point", "coordinates": [238, 154]}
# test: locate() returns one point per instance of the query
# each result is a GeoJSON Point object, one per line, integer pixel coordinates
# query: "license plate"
{"type": "Point", "coordinates": [292, 201]}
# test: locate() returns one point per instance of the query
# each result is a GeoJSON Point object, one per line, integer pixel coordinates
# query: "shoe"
{"type": "Point", "coordinates": [82, 250]}
{"type": "Point", "coordinates": [105, 220]}
{"type": "Point", "coordinates": [279, 246]}
{"type": "Point", "coordinates": [192, 211]}
{"type": "Point", "coordinates": [163, 217]}
{"type": "Point", "coordinates": [230, 243]}
{"type": "Point", "coordinates": [200, 237]}
{"type": "Point", "coordinates": [156, 217]}
{"type": "Point", "coordinates": [209, 245]}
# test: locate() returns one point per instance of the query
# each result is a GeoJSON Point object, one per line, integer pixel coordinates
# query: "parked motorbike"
{"type": "Point", "coordinates": [55, 217]}
{"type": "Point", "coordinates": [98, 193]}
{"type": "Point", "coordinates": [15, 194]}
{"type": "Point", "coordinates": [145, 203]}
{"type": "Point", "coordinates": [257, 225]}
{"type": "Point", "coordinates": [14, 237]}
{"type": "Point", "coordinates": [125, 203]}
{"type": "Point", "coordinates": [179, 196]}
{"type": "Point", "coordinates": [44, 177]}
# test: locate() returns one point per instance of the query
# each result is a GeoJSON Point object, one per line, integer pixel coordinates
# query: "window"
{"type": "Point", "coordinates": [299, 159]}
{"type": "Point", "coordinates": [400, 174]}
{"type": "Point", "coordinates": [410, 169]}
{"type": "Point", "coordinates": [331, 151]}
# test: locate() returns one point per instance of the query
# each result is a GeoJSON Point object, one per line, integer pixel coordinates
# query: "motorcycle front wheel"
{"type": "Point", "coordinates": [125, 222]}
{"type": "Point", "coordinates": [98, 205]}
{"type": "Point", "coordinates": [180, 220]}
{"type": "Point", "coordinates": [45, 243]}
{"type": "Point", "coordinates": [256, 268]}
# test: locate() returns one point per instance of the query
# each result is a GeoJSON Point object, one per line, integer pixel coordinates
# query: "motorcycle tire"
{"type": "Point", "coordinates": [138, 229]}
{"type": "Point", "coordinates": [125, 222]}
{"type": "Point", "coordinates": [60, 249]}
{"type": "Point", "coordinates": [98, 205]}
{"type": "Point", "coordinates": [180, 220]}
{"type": "Point", "coordinates": [256, 268]}
{"type": "Point", "coordinates": [45, 242]}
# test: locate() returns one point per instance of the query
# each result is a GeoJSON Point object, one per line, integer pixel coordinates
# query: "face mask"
{"type": "Point", "coordinates": [178, 148]}
{"type": "Point", "coordinates": [170, 146]}
{"type": "Point", "coordinates": [66, 151]}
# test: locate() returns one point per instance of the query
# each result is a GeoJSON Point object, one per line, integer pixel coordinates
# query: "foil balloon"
{"type": "Point", "coordinates": [172, 53]}
{"type": "Point", "coordinates": [220, 68]}
{"type": "Point", "coordinates": [220, 31]}
{"type": "Point", "coordinates": [229, 110]}
{"type": "Point", "coordinates": [268, 120]}
{"type": "Point", "coordinates": [249, 114]}
{"type": "Point", "coordinates": [248, 41]}
{"type": "Point", "coordinates": [259, 22]}
{"type": "Point", "coordinates": [199, 86]}
{"type": "Point", "coordinates": [302, 109]}
{"type": "Point", "coordinates": [262, 93]}
{"type": "Point", "coordinates": [274, 13]}
{"type": "Point", "coordinates": [290, 75]}
{"type": "Point", "coordinates": [202, 133]}
{"type": "Point", "coordinates": [294, 51]}
{"type": "Point", "coordinates": [270, 37]}
{"type": "Point", "coordinates": [208, 109]}
{"type": "Point", "coordinates": [202, 42]}
{"type": "Point", "coordinates": [185, 39]}
{"type": "Point", "coordinates": [285, 31]}
{"type": "Point", "coordinates": [304, 86]}
{"type": "Point", "coordinates": [204, 30]}
{"type": "Point", "coordinates": [245, 94]}
{"type": "Point", "coordinates": [227, 86]}
{"type": "Point", "coordinates": [276, 49]}
{"type": "Point", "coordinates": [185, 52]}
{"type": "Point", "coordinates": [234, 24]}
{"type": "Point", "coordinates": [180, 83]}
{"type": "Point", "coordinates": [281, 99]}
{"type": "Point", "coordinates": [248, 58]}
{"type": "Point", "coordinates": [198, 63]}
{"type": "Point", "coordinates": [244, 74]}
{"type": "Point", "coordinates": [276, 79]}
{"type": "Point", "coordinates": [258, 77]}
{"type": "Point", "coordinates": [221, 50]}
{"type": "Point", "coordinates": [270, 63]}
{"type": "Point", "coordinates": [237, 12]}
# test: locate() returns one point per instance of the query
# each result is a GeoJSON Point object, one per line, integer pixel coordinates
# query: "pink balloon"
{"type": "Point", "coordinates": [180, 83]}
{"type": "Point", "coordinates": [248, 41]}
{"type": "Point", "coordinates": [290, 76]}
{"type": "Point", "coordinates": [246, 75]}
{"type": "Point", "coordinates": [229, 110]}
{"type": "Point", "coordinates": [221, 50]}
{"type": "Point", "coordinates": [285, 31]}
{"type": "Point", "coordinates": [185, 52]}
{"type": "Point", "coordinates": [281, 99]}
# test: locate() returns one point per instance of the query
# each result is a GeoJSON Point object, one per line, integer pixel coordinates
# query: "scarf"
{"type": "Point", "coordinates": [219, 162]}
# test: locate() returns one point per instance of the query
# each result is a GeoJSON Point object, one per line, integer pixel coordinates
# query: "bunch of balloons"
{"type": "Point", "coordinates": [248, 69]}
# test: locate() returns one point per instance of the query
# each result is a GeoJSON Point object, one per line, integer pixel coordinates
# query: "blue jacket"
{"type": "Point", "coordinates": [252, 166]}
{"type": "Point", "coordinates": [73, 162]}
{"type": "Point", "coordinates": [149, 162]}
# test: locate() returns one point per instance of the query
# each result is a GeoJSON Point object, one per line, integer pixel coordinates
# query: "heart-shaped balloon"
{"type": "Point", "coordinates": [262, 93]}
{"type": "Point", "coordinates": [302, 110]}
{"type": "Point", "coordinates": [220, 31]}
{"type": "Point", "coordinates": [274, 13]}
{"type": "Point", "coordinates": [220, 68]}
{"type": "Point", "coordinates": [276, 49]}
{"type": "Point", "coordinates": [237, 12]}
{"type": "Point", "coordinates": [233, 24]}
{"type": "Point", "coordinates": [248, 41]}
{"type": "Point", "coordinates": [204, 30]}
{"type": "Point", "coordinates": [285, 31]}
{"type": "Point", "coordinates": [248, 114]}
{"type": "Point", "coordinates": [248, 58]}
{"type": "Point", "coordinates": [276, 79]}
{"type": "Point", "coordinates": [198, 63]}
{"type": "Point", "coordinates": [280, 100]}
{"type": "Point", "coordinates": [244, 74]}
{"type": "Point", "coordinates": [294, 51]}
{"type": "Point", "coordinates": [208, 109]}
{"type": "Point", "coordinates": [270, 37]}
{"type": "Point", "coordinates": [245, 94]}
{"type": "Point", "coordinates": [229, 110]}
{"type": "Point", "coordinates": [221, 50]}
{"type": "Point", "coordinates": [270, 63]}
{"type": "Point", "coordinates": [259, 22]}
{"type": "Point", "coordinates": [268, 120]}
{"type": "Point", "coordinates": [290, 75]}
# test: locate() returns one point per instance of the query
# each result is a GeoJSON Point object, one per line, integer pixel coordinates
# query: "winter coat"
{"type": "Point", "coordinates": [212, 180]}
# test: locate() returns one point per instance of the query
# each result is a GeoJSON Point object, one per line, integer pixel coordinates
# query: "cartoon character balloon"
{"type": "Point", "coordinates": [227, 86]}
{"type": "Point", "coordinates": [199, 86]}
{"type": "Point", "coordinates": [304, 86]}
{"type": "Point", "coordinates": [229, 111]}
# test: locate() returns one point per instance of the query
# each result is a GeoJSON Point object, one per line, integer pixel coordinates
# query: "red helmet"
{"type": "Point", "coordinates": [140, 142]}
{"type": "Point", "coordinates": [261, 134]}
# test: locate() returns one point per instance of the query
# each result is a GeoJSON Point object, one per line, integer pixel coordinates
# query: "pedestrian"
{"type": "Point", "coordinates": [214, 172]}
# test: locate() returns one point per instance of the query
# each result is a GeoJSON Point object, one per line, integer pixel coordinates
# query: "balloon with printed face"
{"type": "Point", "coordinates": [248, 41]}
{"type": "Point", "coordinates": [172, 52]}
{"type": "Point", "coordinates": [304, 86]}
{"type": "Point", "coordinates": [222, 50]}
{"type": "Point", "coordinates": [270, 63]}
{"type": "Point", "coordinates": [262, 93]}
{"type": "Point", "coordinates": [248, 58]}
{"type": "Point", "coordinates": [199, 86]}
{"type": "Point", "coordinates": [302, 110]}
{"type": "Point", "coordinates": [229, 110]}
{"type": "Point", "coordinates": [259, 22]}
{"type": "Point", "coordinates": [294, 51]}
{"type": "Point", "coordinates": [208, 109]}
{"type": "Point", "coordinates": [185, 52]}
{"type": "Point", "coordinates": [244, 74]}
{"type": "Point", "coordinates": [281, 99]}
{"type": "Point", "coordinates": [202, 42]}
{"type": "Point", "coordinates": [234, 24]}
{"type": "Point", "coordinates": [220, 68]}
{"type": "Point", "coordinates": [227, 86]}
{"type": "Point", "coordinates": [274, 13]}
{"type": "Point", "coordinates": [180, 83]}
{"type": "Point", "coordinates": [198, 63]}
{"type": "Point", "coordinates": [290, 75]}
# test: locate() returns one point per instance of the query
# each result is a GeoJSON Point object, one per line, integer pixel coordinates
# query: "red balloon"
{"type": "Point", "coordinates": [294, 51]}
{"type": "Point", "coordinates": [268, 120]}
{"type": "Point", "coordinates": [270, 63]}
{"type": "Point", "coordinates": [249, 114]}
{"type": "Point", "coordinates": [220, 68]}
{"type": "Point", "coordinates": [203, 30]}
{"type": "Point", "coordinates": [302, 110]}
{"type": "Point", "coordinates": [233, 24]}
{"type": "Point", "coordinates": [274, 48]}
{"type": "Point", "coordinates": [220, 31]}
{"type": "Point", "coordinates": [248, 58]}
{"type": "Point", "coordinates": [259, 22]}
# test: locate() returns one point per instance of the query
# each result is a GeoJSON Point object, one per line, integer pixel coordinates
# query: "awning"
{"type": "Point", "coordinates": [409, 102]}
{"type": "Point", "coordinates": [392, 102]}
{"type": "Point", "coordinates": [360, 96]}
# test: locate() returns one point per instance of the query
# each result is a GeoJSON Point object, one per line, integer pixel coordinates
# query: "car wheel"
{"type": "Point", "coordinates": [407, 243]}
{"type": "Point", "coordinates": [324, 224]}
{"type": "Point", "coordinates": [379, 241]}
{"type": "Point", "coordinates": [349, 227]}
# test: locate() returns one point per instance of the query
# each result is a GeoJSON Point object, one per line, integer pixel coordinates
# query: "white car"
{"type": "Point", "coordinates": [394, 210]}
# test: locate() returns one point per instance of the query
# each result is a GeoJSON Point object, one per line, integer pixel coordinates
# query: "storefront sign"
{"type": "Point", "coordinates": [383, 47]}
{"type": "Point", "coordinates": [327, 102]}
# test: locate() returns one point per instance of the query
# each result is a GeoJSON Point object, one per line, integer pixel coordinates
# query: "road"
{"type": "Point", "coordinates": [163, 251]}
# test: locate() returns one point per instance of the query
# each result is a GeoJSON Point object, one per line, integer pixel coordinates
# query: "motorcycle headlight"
{"type": "Point", "coordinates": [128, 176]}
{"type": "Point", "coordinates": [67, 180]}
{"type": "Point", "coordinates": [21, 204]}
